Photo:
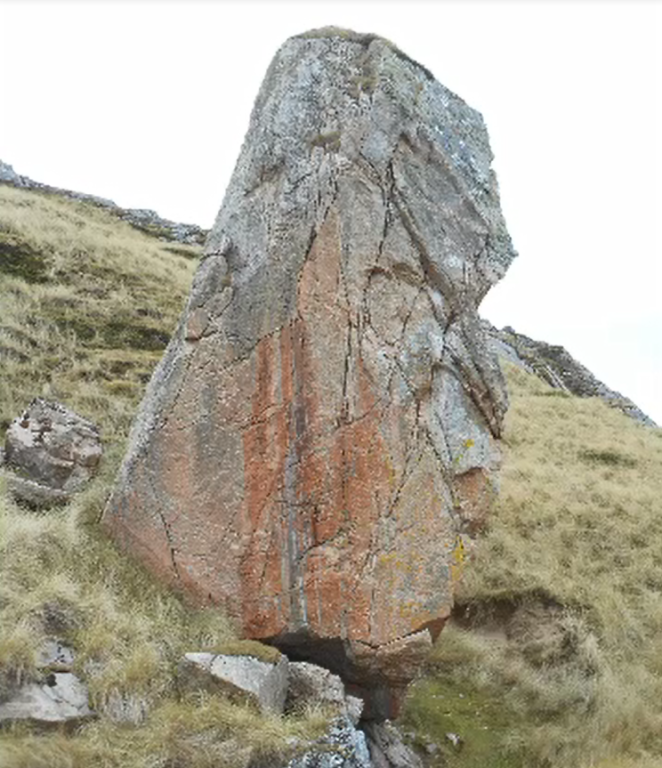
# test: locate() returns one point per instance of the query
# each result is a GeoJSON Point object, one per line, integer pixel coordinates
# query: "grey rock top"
{"type": "Point", "coordinates": [140, 218]}
{"type": "Point", "coordinates": [333, 103]}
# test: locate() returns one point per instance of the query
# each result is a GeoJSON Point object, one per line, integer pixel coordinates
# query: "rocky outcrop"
{"type": "Point", "coordinates": [51, 452]}
{"type": "Point", "coordinates": [144, 219]}
{"type": "Point", "coordinates": [343, 746]}
{"type": "Point", "coordinates": [555, 365]}
{"type": "Point", "coordinates": [321, 432]}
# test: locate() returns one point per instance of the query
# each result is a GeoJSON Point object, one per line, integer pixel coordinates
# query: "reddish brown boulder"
{"type": "Point", "coordinates": [320, 434]}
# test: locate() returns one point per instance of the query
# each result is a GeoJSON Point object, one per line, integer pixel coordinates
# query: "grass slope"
{"type": "Point", "coordinates": [556, 641]}
{"type": "Point", "coordinates": [88, 306]}
{"type": "Point", "coordinates": [554, 654]}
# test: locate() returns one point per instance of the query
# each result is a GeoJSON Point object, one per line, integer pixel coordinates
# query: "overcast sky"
{"type": "Point", "coordinates": [147, 103]}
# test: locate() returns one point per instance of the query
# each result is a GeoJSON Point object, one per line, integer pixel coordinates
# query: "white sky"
{"type": "Point", "coordinates": [147, 103]}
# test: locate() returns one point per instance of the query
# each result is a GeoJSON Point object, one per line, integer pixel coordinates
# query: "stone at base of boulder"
{"type": "Point", "coordinates": [378, 676]}
{"type": "Point", "coordinates": [34, 495]}
{"type": "Point", "coordinates": [311, 685]}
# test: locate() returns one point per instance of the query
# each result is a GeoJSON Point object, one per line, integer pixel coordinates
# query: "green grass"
{"type": "Point", "coordinates": [559, 614]}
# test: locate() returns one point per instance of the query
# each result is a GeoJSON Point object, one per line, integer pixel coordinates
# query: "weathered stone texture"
{"type": "Point", "coordinates": [321, 431]}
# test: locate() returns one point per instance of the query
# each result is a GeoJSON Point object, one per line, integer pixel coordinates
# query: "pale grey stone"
{"type": "Point", "coordinates": [260, 681]}
{"type": "Point", "coordinates": [55, 656]}
{"type": "Point", "coordinates": [52, 446]}
{"type": "Point", "coordinates": [62, 698]}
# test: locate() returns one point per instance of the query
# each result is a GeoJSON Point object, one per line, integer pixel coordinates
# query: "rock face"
{"type": "Point", "coordinates": [54, 452]}
{"type": "Point", "coordinates": [321, 432]}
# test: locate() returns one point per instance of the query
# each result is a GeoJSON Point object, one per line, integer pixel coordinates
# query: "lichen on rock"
{"type": "Point", "coordinates": [322, 431]}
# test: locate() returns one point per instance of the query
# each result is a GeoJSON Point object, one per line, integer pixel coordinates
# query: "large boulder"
{"type": "Point", "coordinates": [320, 436]}
{"type": "Point", "coordinates": [51, 452]}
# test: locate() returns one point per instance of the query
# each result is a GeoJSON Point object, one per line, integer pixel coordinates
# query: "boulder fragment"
{"type": "Point", "coordinates": [387, 749]}
{"type": "Point", "coordinates": [242, 677]}
{"type": "Point", "coordinates": [322, 430]}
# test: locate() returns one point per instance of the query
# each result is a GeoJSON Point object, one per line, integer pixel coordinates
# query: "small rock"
{"type": "Point", "coordinates": [35, 495]}
{"type": "Point", "coordinates": [53, 452]}
{"type": "Point", "coordinates": [55, 656]}
{"type": "Point", "coordinates": [122, 708]}
{"type": "Point", "coordinates": [245, 677]}
{"type": "Point", "coordinates": [310, 684]}
{"type": "Point", "coordinates": [387, 750]}
{"type": "Point", "coordinates": [62, 698]}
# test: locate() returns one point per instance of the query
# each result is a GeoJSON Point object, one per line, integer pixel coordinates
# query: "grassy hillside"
{"type": "Point", "coordinates": [554, 654]}
{"type": "Point", "coordinates": [553, 658]}
{"type": "Point", "coordinates": [88, 304]}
